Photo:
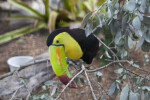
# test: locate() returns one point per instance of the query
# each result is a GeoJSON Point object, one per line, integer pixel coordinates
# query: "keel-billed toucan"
{"type": "Point", "coordinates": [71, 43]}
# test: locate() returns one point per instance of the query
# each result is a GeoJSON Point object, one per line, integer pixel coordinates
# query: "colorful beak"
{"type": "Point", "coordinates": [59, 64]}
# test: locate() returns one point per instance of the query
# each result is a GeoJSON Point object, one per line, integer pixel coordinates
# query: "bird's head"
{"type": "Point", "coordinates": [71, 46]}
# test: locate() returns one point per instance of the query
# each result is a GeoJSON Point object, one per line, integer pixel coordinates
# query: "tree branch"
{"type": "Point", "coordinates": [89, 83]}
{"type": "Point", "coordinates": [15, 93]}
{"type": "Point", "coordinates": [118, 59]}
{"type": "Point", "coordinates": [24, 66]}
{"type": "Point", "coordinates": [144, 70]}
{"type": "Point", "coordinates": [29, 93]}
{"type": "Point", "coordinates": [105, 66]}
{"type": "Point", "coordinates": [69, 84]}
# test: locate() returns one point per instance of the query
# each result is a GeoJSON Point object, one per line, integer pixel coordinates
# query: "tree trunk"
{"type": "Point", "coordinates": [33, 76]}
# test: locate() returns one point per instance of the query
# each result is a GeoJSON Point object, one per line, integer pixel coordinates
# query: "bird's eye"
{"type": "Point", "coordinates": [57, 41]}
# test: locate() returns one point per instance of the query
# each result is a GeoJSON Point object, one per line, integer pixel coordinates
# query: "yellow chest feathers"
{"type": "Point", "coordinates": [72, 48]}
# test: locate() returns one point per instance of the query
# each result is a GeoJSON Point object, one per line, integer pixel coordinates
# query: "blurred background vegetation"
{"type": "Point", "coordinates": [41, 14]}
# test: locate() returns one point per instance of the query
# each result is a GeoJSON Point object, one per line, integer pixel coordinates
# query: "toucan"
{"type": "Point", "coordinates": [73, 44]}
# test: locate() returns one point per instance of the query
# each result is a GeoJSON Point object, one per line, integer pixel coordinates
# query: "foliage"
{"type": "Point", "coordinates": [46, 92]}
{"type": "Point", "coordinates": [125, 24]}
{"type": "Point", "coordinates": [35, 15]}
{"type": "Point", "coordinates": [73, 11]}
{"type": "Point", "coordinates": [122, 23]}
{"type": "Point", "coordinates": [22, 31]}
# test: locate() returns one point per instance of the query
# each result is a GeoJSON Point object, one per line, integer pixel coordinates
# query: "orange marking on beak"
{"type": "Point", "coordinates": [59, 58]}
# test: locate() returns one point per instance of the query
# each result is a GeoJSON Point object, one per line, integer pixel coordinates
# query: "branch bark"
{"type": "Point", "coordinates": [33, 76]}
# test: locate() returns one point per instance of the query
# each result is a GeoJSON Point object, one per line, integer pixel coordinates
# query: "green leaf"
{"type": "Point", "coordinates": [54, 90]}
{"type": "Point", "coordinates": [88, 5]}
{"type": "Point", "coordinates": [118, 71]}
{"type": "Point", "coordinates": [130, 5]}
{"type": "Point", "coordinates": [48, 83]}
{"type": "Point", "coordinates": [138, 32]}
{"type": "Point", "coordinates": [27, 8]}
{"type": "Point", "coordinates": [132, 28]}
{"type": "Point", "coordinates": [99, 74]}
{"type": "Point", "coordinates": [52, 20]}
{"type": "Point", "coordinates": [124, 22]}
{"type": "Point", "coordinates": [135, 65]}
{"type": "Point", "coordinates": [124, 77]}
{"type": "Point", "coordinates": [36, 97]}
{"type": "Point", "coordinates": [63, 24]}
{"type": "Point", "coordinates": [124, 53]}
{"type": "Point", "coordinates": [112, 89]}
{"type": "Point", "coordinates": [124, 93]}
{"type": "Point", "coordinates": [89, 28]}
{"type": "Point", "coordinates": [130, 42]}
{"type": "Point", "coordinates": [146, 20]}
{"type": "Point", "coordinates": [67, 4]}
{"type": "Point", "coordinates": [147, 36]}
{"type": "Point", "coordinates": [139, 80]}
{"type": "Point", "coordinates": [146, 88]}
{"type": "Point", "coordinates": [141, 41]}
{"type": "Point", "coordinates": [140, 15]}
{"type": "Point", "coordinates": [101, 1]}
{"type": "Point", "coordinates": [118, 37]}
{"type": "Point", "coordinates": [46, 4]}
{"type": "Point", "coordinates": [85, 20]}
{"type": "Point", "coordinates": [20, 18]}
{"type": "Point", "coordinates": [100, 21]}
{"type": "Point", "coordinates": [133, 96]}
{"type": "Point", "coordinates": [114, 26]}
{"type": "Point", "coordinates": [107, 54]}
{"type": "Point", "coordinates": [146, 46]}
{"type": "Point", "coordinates": [146, 59]}
{"type": "Point", "coordinates": [77, 80]}
{"type": "Point", "coordinates": [116, 5]}
{"type": "Point", "coordinates": [20, 32]}
{"type": "Point", "coordinates": [145, 95]}
{"type": "Point", "coordinates": [99, 78]}
{"type": "Point", "coordinates": [109, 13]}
{"type": "Point", "coordinates": [142, 6]}
{"type": "Point", "coordinates": [136, 23]}
{"type": "Point", "coordinates": [82, 81]}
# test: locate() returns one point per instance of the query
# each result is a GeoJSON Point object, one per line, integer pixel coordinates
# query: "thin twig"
{"type": "Point", "coordinates": [105, 66]}
{"type": "Point", "coordinates": [105, 91]}
{"type": "Point", "coordinates": [74, 65]}
{"type": "Point", "coordinates": [89, 83]}
{"type": "Point", "coordinates": [96, 11]}
{"type": "Point", "coordinates": [106, 46]}
{"type": "Point", "coordinates": [15, 93]}
{"type": "Point", "coordinates": [68, 84]}
{"type": "Point", "coordinates": [135, 73]}
{"type": "Point", "coordinates": [119, 61]}
{"type": "Point", "coordinates": [144, 70]}
{"type": "Point", "coordinates": [24, 66]}
{"type": "Point", "coordinates": [29, 93]}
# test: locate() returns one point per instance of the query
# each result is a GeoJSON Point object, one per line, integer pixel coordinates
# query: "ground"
{"type": "Point", "coordinates": [28, 45]}
{"type": "Point", "coordinates": [35, 44]}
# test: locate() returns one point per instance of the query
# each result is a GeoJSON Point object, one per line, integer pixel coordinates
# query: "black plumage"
{"type": "Point", "coordinates": [89, 45]}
